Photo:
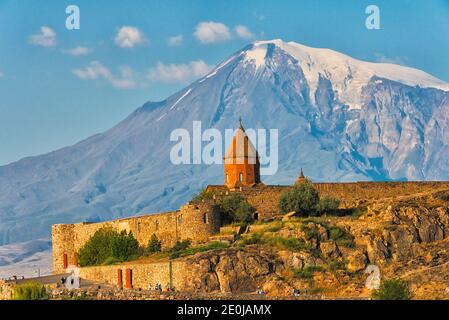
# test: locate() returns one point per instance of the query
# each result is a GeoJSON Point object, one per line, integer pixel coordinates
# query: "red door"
{"type": "Point", "coordinates": [129, 279]}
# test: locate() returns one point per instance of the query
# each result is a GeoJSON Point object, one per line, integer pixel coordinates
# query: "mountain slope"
{"type": "Point", "coordinates": [339, 118]}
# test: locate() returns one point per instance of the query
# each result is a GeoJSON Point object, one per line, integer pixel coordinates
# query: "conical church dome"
{"type": "Point", "coordinates": [241, 161]}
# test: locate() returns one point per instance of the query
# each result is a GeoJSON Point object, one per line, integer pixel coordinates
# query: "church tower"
{"type": "Point", "coordinates": [241, 161]}
{"type": "Point", "coordinates": [301, 178]}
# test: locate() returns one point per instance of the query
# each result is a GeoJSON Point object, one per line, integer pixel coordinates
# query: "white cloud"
{"type": "Point", "coordinates": [243, 32]}
{"type": "Point", "coordinates": [179, 72]}
{"type": "Point", "coordinates": [78, 51]}
{"type": "Point", "coordinates": [46, 38]}
{"type": "Point", "coordinates": [175, 40]}
{"type": "Point", "coordinates": [96, 70]}
{"type": "Point", "coordinates": [211, 32]}
{"type": "Point", "coordinates": [129, 37]}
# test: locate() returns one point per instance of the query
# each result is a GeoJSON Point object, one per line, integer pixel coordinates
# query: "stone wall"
{"type": "Point", "coordinates": [143, 274]}
{"type": "Point", "coordinates": [352, 194]}
{"type": "Point", "coordinates": [6, 290]}
{"type": "Point", "coordinates": [199, 222]}
{"type": "Point", "coordinates": [194, 222]}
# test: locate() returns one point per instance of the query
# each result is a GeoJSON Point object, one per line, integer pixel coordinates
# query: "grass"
{"type": "Point", "coordinates": [274, 228]}
{"type": "Point", "coordinates": [30, 291]}
{"type": "Point", "coordinates": [341, 236]}
{"type": "Point", "coordinates": [253, 238]}
{"type": "Point", "coordinates": [335, 265]}
{"type": "Point", "coordinates": [196, 249]}
{"type": "Point", "coordinates": [309, 232]}
{"type": "Point", "coordinates": [293, 244]}
{"type": "Point", "coordinates": [307, 272]}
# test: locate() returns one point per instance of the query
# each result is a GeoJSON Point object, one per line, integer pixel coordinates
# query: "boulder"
{"type": "Point", "coordinates": [277, 288]}
{"type": "Point", "coordinates": [330, 249]}
{"type": "Point", "coordinates": [357, 261]}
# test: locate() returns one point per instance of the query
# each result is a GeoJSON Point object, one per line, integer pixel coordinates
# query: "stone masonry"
{"type": "Point", "coordinates": [195, 222]}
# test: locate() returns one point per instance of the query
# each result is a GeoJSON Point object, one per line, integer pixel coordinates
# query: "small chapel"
{"type": "Point", "coordinates": [241, 162]}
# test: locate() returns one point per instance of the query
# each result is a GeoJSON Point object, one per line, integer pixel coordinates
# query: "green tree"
{"type": "Point", "coordinates": [108, 245]}
{"type": "Point", "coordinates": [154, 244]}
{"type": "Point", "coordinates": [302, 198]}
{"type": "Point", "coordinates": [229, 204]}
{"type": "Point", "coordinates": [392, 289]}
{"type": "Point", "coordinates": [244, 212]}
{"type": "Point", "coordinates": [237, 208]}
{"type": "Point", "coordinates": [124, 246]}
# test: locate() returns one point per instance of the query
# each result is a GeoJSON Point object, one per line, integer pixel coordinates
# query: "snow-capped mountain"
{"type": "Point", "coordinates": [338, 118]}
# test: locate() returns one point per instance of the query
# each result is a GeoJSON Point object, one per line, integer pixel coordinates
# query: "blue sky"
{"type": "Point", "coordinates": [59, 86]}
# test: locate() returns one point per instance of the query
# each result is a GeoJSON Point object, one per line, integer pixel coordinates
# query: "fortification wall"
{"type": "Point", "coordinates": [143, 274]}
{"type": "Point", "coordinates": [352, 194]}
{"type": "Point", "coordinates": [199, 222]}
{"type": "Point", "coordinates": [194, 222]}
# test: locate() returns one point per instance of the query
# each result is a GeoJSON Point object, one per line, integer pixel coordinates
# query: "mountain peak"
{"type": "Point", "coordinates": [348, 75]}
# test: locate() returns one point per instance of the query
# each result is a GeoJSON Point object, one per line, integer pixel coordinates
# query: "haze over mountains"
{"type": "Point", "coordinates": [339, 118]}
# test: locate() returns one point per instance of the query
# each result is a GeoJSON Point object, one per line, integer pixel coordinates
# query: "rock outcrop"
{"type": "Point", "coordinates": [231, 270]}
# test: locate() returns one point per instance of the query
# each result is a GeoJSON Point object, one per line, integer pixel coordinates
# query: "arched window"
{"type": "Point", "coordinates": [156, 224]}
{"type": "Point", "coordinates": [241, 177]}
{"type": "Point", "coordinates": [227, 177]}
{"type": "Point", "coordinates": [205, 218]}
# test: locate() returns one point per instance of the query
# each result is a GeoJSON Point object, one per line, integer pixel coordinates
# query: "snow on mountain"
{"type": "Point", "coordinates": [338, 118]}
{"type": "Point", "coordinates": [347, 74]}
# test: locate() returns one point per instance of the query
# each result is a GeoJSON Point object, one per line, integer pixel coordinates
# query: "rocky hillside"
{"type": "Point", "coordinates": [326, 257]}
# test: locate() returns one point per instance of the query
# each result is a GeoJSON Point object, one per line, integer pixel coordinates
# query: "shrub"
{"type": "Point", "coordinates": [327, 205]}
{"type": "Point", "coordinates": [393, 289]}
{"type": "Point", "coordinates": [30, 291]}
{"type": "Point", "coordinates": [106, 246]}
{"type": "Point", "coordinates": [154, 245]}
{"type": "Point", "coordinates": [302, 198]}
{"type": "Point", "coordinates": [244, 212]}
{"type": "Point", "coordinates": [237, 208]}
{"type": "Point", "coordinates": [230, 203]}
